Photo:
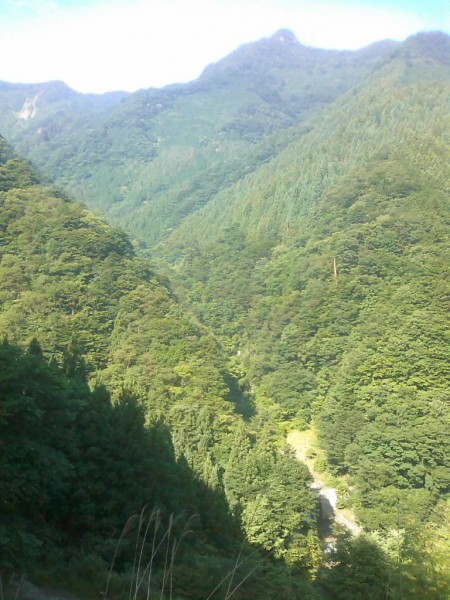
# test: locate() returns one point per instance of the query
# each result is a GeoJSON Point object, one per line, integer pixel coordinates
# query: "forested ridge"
{"type": "Point", "coordinates": [296, 214]}
{"type": "Point", "coordinates": [156, 156]}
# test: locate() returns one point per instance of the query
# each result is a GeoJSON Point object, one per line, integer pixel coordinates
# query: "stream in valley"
{"type": "Point", "coordinates": [330, 514]}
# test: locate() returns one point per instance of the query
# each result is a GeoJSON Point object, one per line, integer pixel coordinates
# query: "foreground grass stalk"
{"type": "Point", "coordinates": [131, 595]}
{"type": "Point", "coordinates": [153, 516]}
{"type": "Point", "coordinates": [125, 530]}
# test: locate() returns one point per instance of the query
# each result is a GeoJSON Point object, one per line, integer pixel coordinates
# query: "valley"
{"type": "Point", "coordinates": [223, 304]}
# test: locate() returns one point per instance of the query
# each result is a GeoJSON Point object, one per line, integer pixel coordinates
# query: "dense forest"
{"type": "Point", "coordinates": [288, 270]}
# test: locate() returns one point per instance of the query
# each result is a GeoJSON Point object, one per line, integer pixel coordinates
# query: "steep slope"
{"type": "Point", "coordinates": [51, 116]}
{"type": "Point", "coordinates": [326, 271]}
{"type": "Point", "coordinates": [323, 271]}
{"type": "Point", "coordinates": [158, 155]}
{"type": "Point", "coordinates": [73, 282]}
{"type": "Point", "coordinates": [74, 467]}
{"type": "Point", "coordinates": [406, 94]}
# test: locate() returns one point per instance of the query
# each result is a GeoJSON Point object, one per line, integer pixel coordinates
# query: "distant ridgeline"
{"type": "Point", "coordinates": [158, 155]}
{"type": "Point", "coordinates": [295, 204]}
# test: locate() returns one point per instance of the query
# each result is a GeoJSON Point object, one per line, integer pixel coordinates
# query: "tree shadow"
{"type": "Point", "coordinates": [242, 399]}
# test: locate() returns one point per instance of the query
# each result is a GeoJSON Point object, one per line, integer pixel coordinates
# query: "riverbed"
{"type": "Point", "coordinates": [303, 442]}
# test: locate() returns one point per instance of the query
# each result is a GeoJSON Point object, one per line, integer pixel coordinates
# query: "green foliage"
{"type": "Point", "coordinates": [74, 467]}
{"type": "Point", "coordinates": [66, 275]}
{"type": "Point", "coordinates": [150, 159]}
{"type": "Point", "coordinates": [342, 316]}
{"type": "Point", "coordinates": [269, 490]}
{"type": "Point", "coordinates": [73, 292]}
{"type": "Point", "coordinates": [310, 261]}
{"type": "Point", "coordinates": [358, 571]}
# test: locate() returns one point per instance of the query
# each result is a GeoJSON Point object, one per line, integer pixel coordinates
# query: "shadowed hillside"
{"type": "Point", "coordinates": [295, 203]}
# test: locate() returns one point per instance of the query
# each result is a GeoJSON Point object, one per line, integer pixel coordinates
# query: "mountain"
{"type": "Point", "coordinates": [326, 270]}
{"type": "Point", "coordinates": [402, 96]}
{"type": "Point", "coordinates": [295, 206]}
{"type": "Point", "coordinates": [114, 402]}
{"type": "Point", "coordinates": [156, 156]}
{"type": "Point", "coordinates": [51, 115]}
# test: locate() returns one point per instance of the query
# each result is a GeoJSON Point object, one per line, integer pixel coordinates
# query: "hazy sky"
{"type": "Point", "coordinates": [102, 45]}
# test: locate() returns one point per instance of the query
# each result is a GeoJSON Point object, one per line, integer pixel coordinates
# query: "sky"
{"type": "Point", "coordinates": [104, 45]}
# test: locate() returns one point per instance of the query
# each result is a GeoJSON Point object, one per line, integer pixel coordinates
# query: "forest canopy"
{"type": "Point", "coordinates": [287, 271]}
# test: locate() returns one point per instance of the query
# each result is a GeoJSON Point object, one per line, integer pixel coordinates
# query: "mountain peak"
{"type": "Point", "coordinates": [432, 45]}
{"type": "Point", "coordinates": [285, 36]}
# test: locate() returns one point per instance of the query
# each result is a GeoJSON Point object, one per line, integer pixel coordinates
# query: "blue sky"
{"type": "Point", "coordinates": [102, 45]}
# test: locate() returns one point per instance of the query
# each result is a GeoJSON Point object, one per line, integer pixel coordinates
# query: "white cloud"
{"type": "Point", "coordinates": [143, 43]}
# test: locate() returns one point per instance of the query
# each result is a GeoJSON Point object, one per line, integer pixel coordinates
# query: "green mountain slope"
{"type": "Point", "coordinates": [75, 466]}
{"type": "Point", "coordinates": [327, 271]}
{"type": "Point", "coordinates": [73, 282]}
{"type": "Point", "coordinates": [158, 155]}
{"type": "Point", "coordinates": [307, 241]}
{"type": "Point", "coordinates": [51, 116]}
{"type": "Point", "coordinates": [405, 95]}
